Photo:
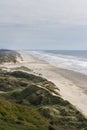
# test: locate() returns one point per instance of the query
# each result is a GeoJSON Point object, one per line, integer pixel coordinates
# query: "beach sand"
{"type": "Point", "coordinates": [72, 85]}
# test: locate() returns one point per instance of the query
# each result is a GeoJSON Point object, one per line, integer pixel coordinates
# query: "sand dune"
{"type": "Point", "coordinates": [72, 85]}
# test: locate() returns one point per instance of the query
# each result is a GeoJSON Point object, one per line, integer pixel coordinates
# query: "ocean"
{"type": "Point", "coordinates": [66, 59]}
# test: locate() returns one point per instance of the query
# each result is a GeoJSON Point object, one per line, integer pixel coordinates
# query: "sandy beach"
{"type": "Point", "coordinates": [72, 85]}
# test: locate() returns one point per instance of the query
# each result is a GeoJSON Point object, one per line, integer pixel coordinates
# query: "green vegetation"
{"type": "Point", "coordinates": [22, 68]}
{"type": "Point", "coordinates": [52, 107]}
{"type": "Point", "coordinates": [37, 80]}
{"type": "Point", "coordinates": [7, 56]}
{"type": "Point", "coordinates": [19, 117]}
{"type": "Point", "coordinates": [27, 103]}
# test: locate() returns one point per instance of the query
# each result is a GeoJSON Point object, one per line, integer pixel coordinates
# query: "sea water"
{"type": "Point", "coordinates": [67, 59]}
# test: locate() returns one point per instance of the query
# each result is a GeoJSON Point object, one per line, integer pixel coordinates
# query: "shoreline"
{"type": "Point", "coordinates": [72, 85]}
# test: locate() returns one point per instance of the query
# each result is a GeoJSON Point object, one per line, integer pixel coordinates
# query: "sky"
{"type": "Point", "coordinates": [43, 24]}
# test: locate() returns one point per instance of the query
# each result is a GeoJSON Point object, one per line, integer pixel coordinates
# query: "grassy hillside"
{"type": "Point", "coordinates": [20, 117]}
{"type": "Point", "coordinates": [7, 56]}
{"type": "Point", "coordinates": [31, 105]}
{"type": "Point", "coordinates": [52, 107]}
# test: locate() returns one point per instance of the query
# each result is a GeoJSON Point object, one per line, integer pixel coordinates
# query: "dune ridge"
{"type": "Point", "coordinates": [72, 85]}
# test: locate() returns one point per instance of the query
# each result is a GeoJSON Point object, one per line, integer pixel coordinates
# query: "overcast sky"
{"type": "Point", "coordinates": [43, 24]}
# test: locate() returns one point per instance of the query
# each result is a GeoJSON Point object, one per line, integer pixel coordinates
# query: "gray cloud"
{"type": "Point", "coordinates": [39, 23]}
{"type": "Point", "coordinates": [28, 11]}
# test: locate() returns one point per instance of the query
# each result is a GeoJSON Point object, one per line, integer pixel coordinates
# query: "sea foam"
{"type": "Point", "coordinates": [69, 62]}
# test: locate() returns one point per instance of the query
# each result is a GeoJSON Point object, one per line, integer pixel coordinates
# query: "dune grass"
{"type": "Point", "coordinates": [31, 105]}
{"type": "Point", "coordinates": [7, 56]}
